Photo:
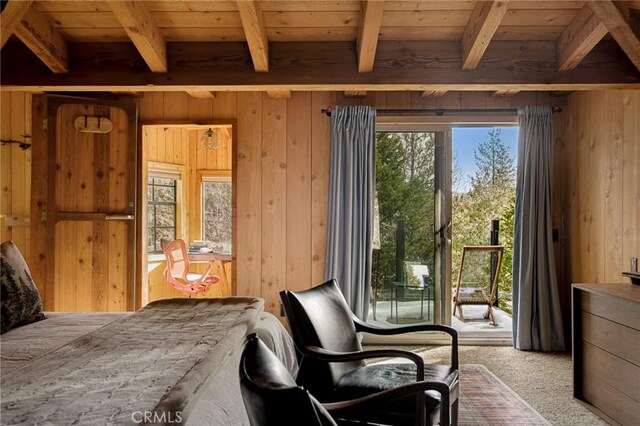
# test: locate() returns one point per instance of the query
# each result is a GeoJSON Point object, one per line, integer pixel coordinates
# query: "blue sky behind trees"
{"type": "Point", "coordinates": [465, 143]}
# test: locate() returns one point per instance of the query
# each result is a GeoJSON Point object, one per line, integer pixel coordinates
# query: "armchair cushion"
{"type": "Point", "coordinates": [379, 377]}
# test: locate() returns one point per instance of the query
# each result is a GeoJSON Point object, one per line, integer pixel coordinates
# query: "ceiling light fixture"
{"type": "Point", "coordinates": [209, 140]}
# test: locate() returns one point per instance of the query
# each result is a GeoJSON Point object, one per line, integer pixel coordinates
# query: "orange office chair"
{"type": "Point", "coordinates": [177, 271]}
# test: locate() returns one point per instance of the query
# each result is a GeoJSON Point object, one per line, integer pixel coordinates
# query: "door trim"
{"type": "Point", "coordinates": [140, 244]}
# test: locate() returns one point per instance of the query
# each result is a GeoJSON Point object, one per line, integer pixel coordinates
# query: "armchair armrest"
{"type": "Point", "coordinates": [332, 356]}
{"type": "Point", "coordinates": [387, 331]}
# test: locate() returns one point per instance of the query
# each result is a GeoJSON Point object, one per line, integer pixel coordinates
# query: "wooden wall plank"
{"type": "Point", "coordinates": [298, 187]}
{"type": "Point", "coordinates": [249, 199]}
{"type": "Point", "coordinates": [320, 155]}
{"type": "Point", "coordinates": [631, 177]}
{"type": "Point", "coordinates": [83, 268]}
{"type": "Point", "coordinates": [225, 106]}
{"type": "Point", "coordinates": [20, 169]}
{"type": "Point", "coordinates": [5, 161]}
{"type": "Point", "coordinates": [39, 257]}
{"type": "Point", "coordinates": [199, 108]}
{"type": "Point", "coordinates": [596, 182]}
{"type": "Point", "coordinates": [613, 186]}
{"type": "Point", "coordinates": [274, 200]}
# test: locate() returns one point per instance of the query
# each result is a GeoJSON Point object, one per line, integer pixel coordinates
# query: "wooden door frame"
{"type": "Point", "coordinates": [234, 202]}
{"type": "Point", "coordinates": [44, 211]}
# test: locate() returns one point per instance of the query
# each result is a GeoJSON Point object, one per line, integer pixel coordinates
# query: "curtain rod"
{"type": "Point", "coordinates": [442, 111]}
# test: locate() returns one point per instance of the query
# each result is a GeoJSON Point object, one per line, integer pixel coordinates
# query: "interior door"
{"type": "Point", "coordinates": [91, 204]}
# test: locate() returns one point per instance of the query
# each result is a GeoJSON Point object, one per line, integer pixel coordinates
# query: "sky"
{"type": "Point", "coordinates": [466, 141]}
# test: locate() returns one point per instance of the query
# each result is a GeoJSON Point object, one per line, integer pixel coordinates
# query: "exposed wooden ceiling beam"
{"type": "Point", "coordinates": [255, 33]}
{"type": "Point", "coordinates": [355, 93]}
{"type": "Point", "coordinates": [279, 94]}
{"type": "Point", "coordinates": [433, 93]}
{"type": "Point", "coordinates": [484, 22]}
{"type": "Point", "coordinates": [577, 40]}
{"type": "Point", "coordinates": [301, 66]}
{"type": "Point", "coordinates": [504, 93]}
{"type": "Point", "coordinates": [368, 31]}
{"type": "Point", "coordinates": [619, 28]}
{"type": "Point", "coordinates": [143, 32]}
{"type": "Point", "coordinates": [634, 4]}
{"type": "Point", "coordinates": [11, 17]}
{"type": "Point", "coordinates": [41, 37]}
{"type": "Point", "coordinates": [202, 94]}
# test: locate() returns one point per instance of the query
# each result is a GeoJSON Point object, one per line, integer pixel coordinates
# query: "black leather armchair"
{"type": "Point", "coordinates": [332, 363]}
{"type": "Point", "coordinates": [272, 397]}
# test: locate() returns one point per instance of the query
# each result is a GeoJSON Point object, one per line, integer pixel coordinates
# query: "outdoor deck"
{"type": "Point", "coordinates": [475, 326]}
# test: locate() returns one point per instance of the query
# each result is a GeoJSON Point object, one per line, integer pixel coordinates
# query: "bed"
{"type": "Point", "coordinates": [173, 361]}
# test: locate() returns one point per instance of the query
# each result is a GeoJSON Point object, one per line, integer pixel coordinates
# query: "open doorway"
{"type": "Point", "coordinates": [187, 193]}
{"type": "Point", "coordinates": [483, 205]}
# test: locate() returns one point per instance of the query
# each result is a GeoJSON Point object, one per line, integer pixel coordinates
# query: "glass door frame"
{"type": "Point", "coordinates": [442, 219]}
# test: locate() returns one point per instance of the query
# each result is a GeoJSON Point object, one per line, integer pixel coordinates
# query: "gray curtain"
{"type": "Point", "coordinates": [537, 320]}
{"type": "Point", "coordinates": [351, 201]}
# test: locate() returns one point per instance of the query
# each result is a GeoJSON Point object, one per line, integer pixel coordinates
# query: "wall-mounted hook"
{"type": "Point", "coordinates": [23, 145]}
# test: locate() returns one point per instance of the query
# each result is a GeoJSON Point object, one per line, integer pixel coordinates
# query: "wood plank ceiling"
{"type": "Point", "coordinates": [559, 34]}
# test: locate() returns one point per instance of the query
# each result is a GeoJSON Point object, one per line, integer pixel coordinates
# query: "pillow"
{"type": "Point", "coordinates": [21, 302]}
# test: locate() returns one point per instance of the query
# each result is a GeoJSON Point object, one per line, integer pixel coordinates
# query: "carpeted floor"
{"type": "Point", "coordinates": [543, 380]}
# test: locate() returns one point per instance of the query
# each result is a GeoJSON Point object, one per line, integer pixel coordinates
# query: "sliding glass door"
{"type": "Point", "coordinates": [412, 254]}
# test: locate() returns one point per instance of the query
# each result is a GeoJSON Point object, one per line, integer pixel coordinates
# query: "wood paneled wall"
{"type": "Point", "coordinates": [15, 170]}
{"type": "Point", "coordinates": [602, 185]}
{"type": "Point", "coordinates": [283, 173]}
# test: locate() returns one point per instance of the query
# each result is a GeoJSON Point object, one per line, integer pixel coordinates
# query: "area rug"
{"type": "Point", "coordinates": [486, 400]}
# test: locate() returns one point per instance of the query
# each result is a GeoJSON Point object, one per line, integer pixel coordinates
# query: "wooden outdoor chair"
{"type": "Point", "coordinates": [477, 295]}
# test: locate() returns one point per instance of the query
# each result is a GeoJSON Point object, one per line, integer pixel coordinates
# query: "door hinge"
{"type": "Point", "coordinates": [45, 124]}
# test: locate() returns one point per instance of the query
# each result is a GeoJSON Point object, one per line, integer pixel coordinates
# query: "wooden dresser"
{"type": "Point", "coordinates": [606, 350]}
